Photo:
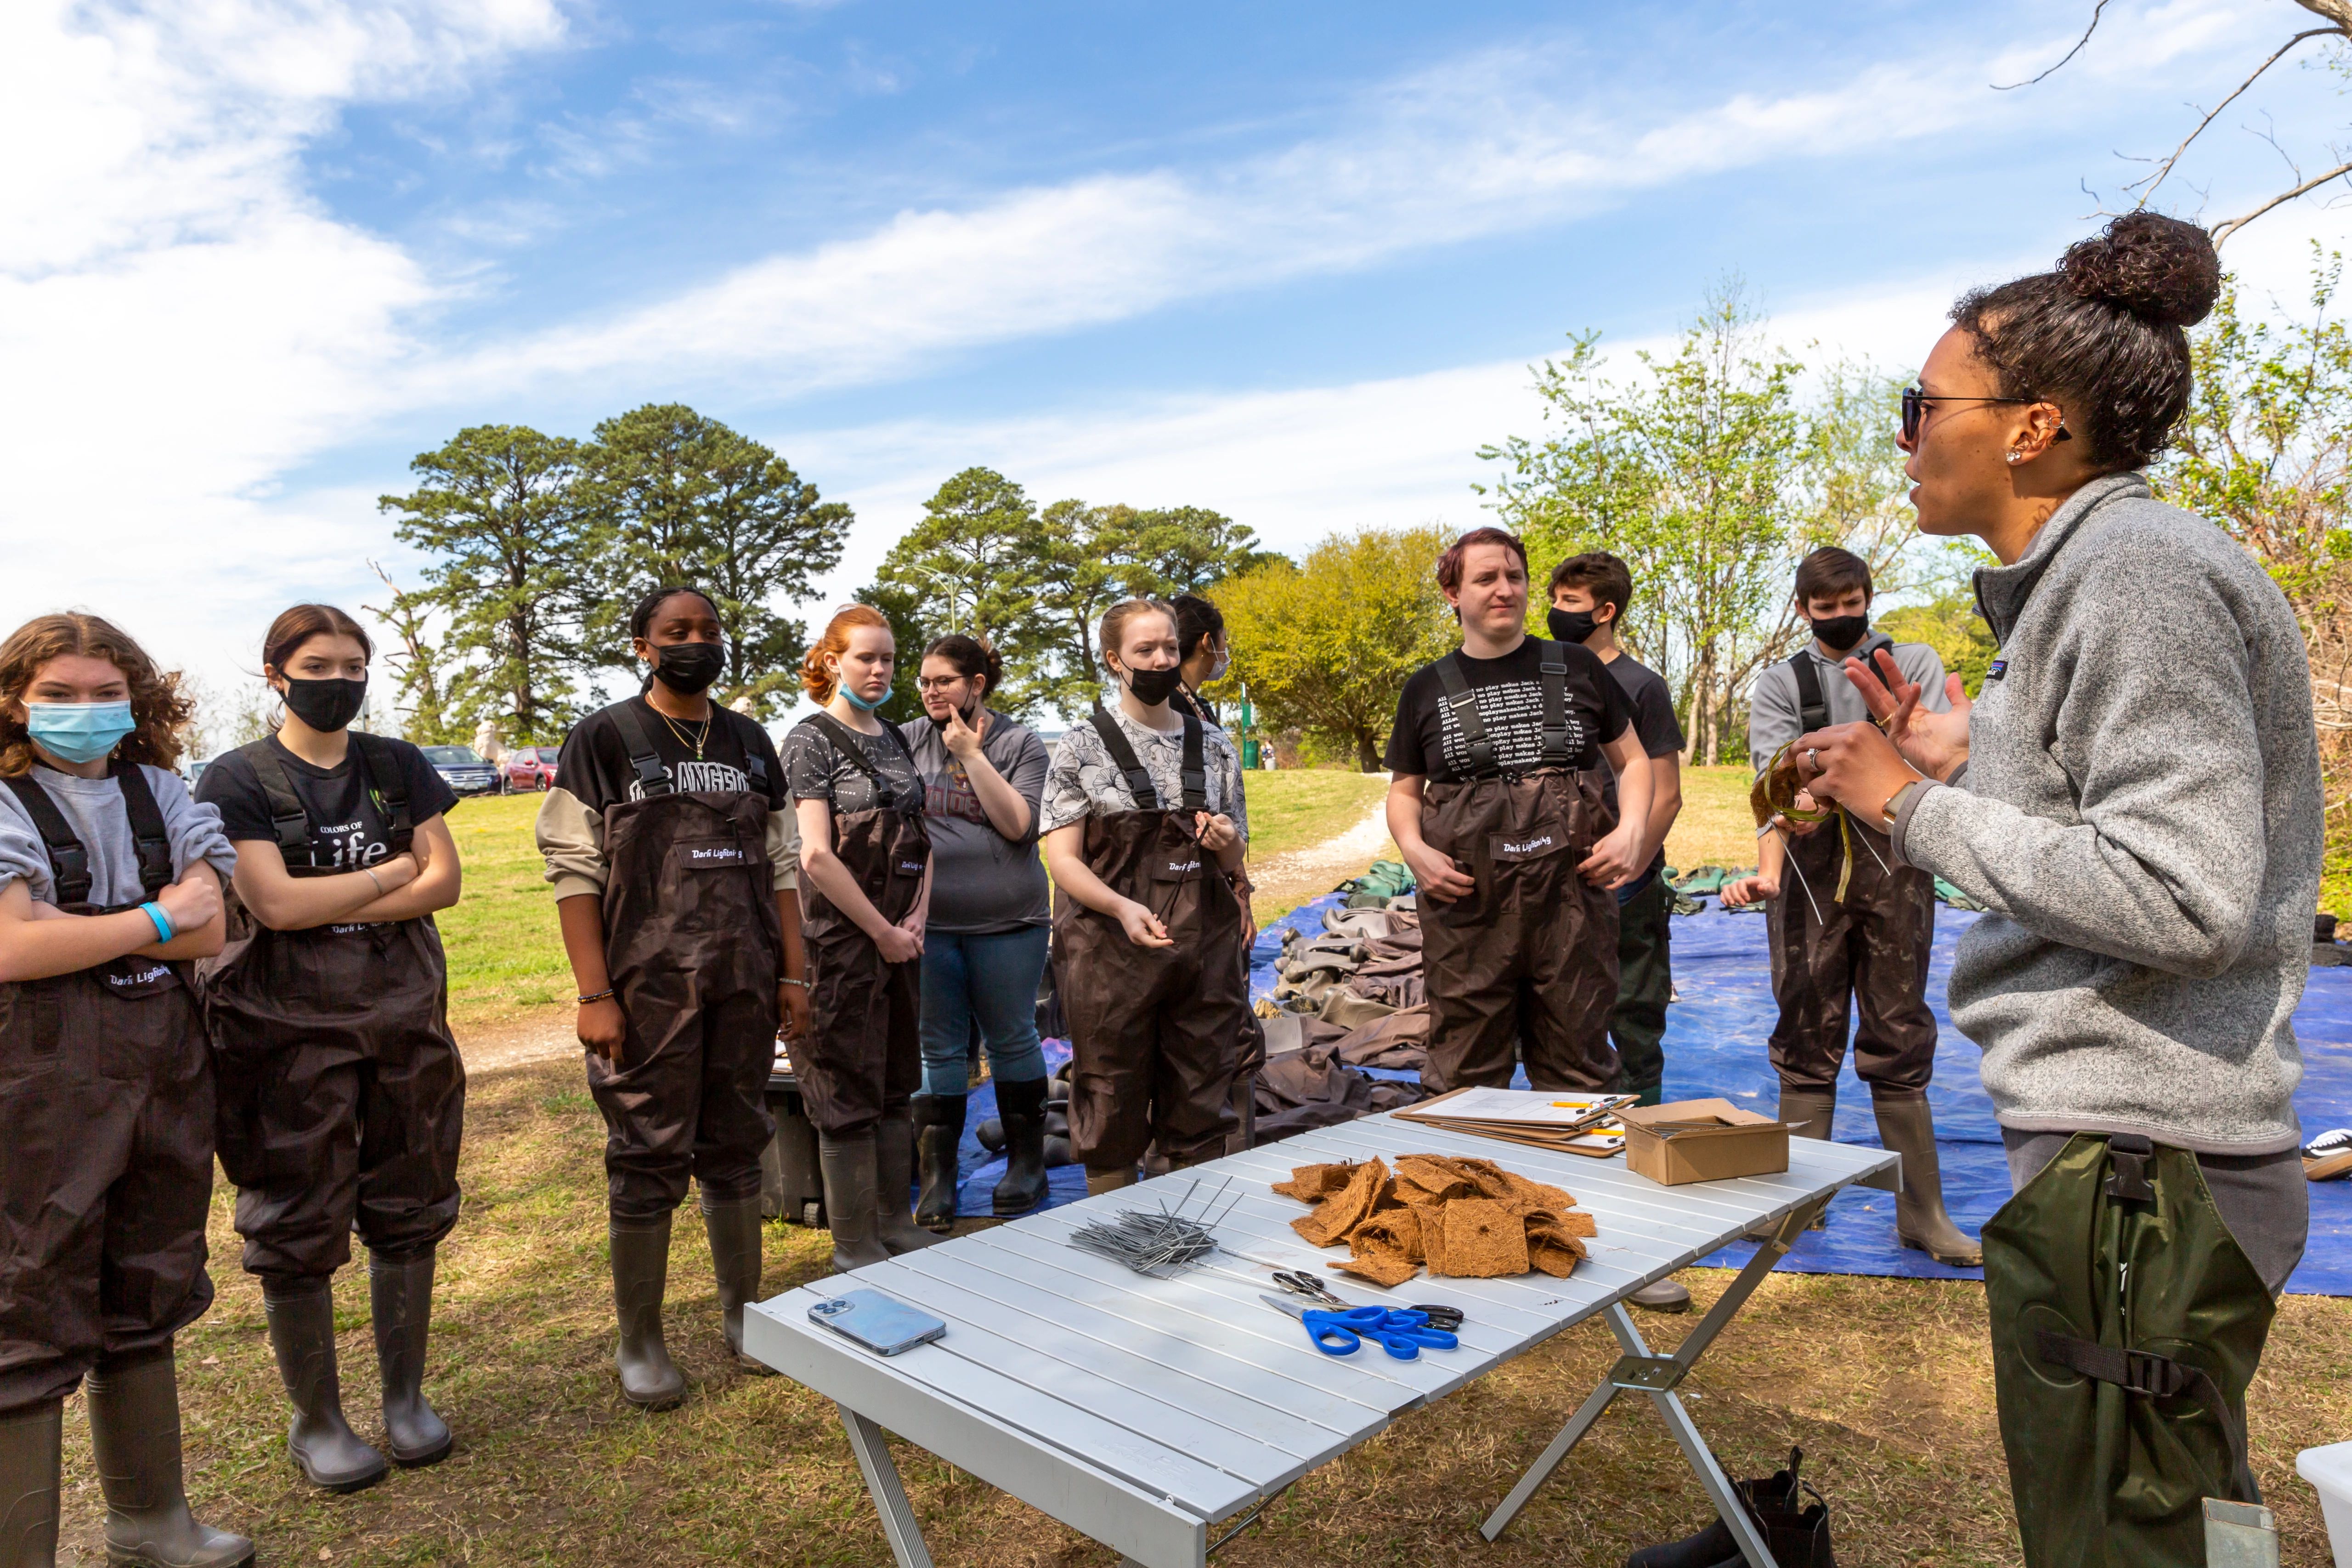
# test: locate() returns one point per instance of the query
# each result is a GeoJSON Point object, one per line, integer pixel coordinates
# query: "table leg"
{"type": "Point", "coordinates": [1656, 1376]}
{"type": "Point", "coordinates": [898, 1523]}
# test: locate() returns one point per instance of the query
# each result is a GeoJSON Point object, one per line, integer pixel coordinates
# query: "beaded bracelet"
{"type": "Point", "coordinates": [605, 995]}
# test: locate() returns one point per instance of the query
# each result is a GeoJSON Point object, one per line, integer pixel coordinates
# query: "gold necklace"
{"type": "Point", "coordinates": [697, 742]}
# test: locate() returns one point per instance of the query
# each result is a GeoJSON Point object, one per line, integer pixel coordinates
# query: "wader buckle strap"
{"type": "Point", "coordinates": [845, 740]}
{"type": "Point", "coordinates": [1195, 767]}
{"type": "Point", "coordinates": [68, 860]}
{"type": "Point", "coordinates": [1813, 705]}
{"type": "Point", "coordinates": [1464, 704]}
{"type": "Point", "coordinates": [70, 869]}
{"type": "Point", "coordinates": [2152, 1376]}
{"type": "Point", "coordinates": [291, 823]}
{"type": "Point", "coordinates": [149, 838]}
{"type": "Point", "coordinates": [2127, 1158]}
{"type": "Point", "coordinates": [386, 782]}
{"type": "Point", "coordinates": [1555, 750]}
{"type": "Point", "coordinates": [644, 757]}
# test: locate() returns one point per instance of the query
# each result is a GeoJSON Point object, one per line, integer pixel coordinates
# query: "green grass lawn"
{"type": "Point", "coordinates": [506, 958]}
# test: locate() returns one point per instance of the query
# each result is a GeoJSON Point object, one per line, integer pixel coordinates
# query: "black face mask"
{"type": "Point", "coordinates": [1571, 625]}
{"type": "Point", "coordinates": [968, 713]}
{"type": "Point", "coordinates": [687, 668]}
{"type": "Point", "coordinates": [1153, 687]}
{"type": "Point", "coordinates": [326, 705]}
{"type": "Point", "coordinates": [1837, 632]}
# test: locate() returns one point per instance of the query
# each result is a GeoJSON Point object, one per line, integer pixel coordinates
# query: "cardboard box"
{"type": "Point", "coordinates": [1702, 1141]}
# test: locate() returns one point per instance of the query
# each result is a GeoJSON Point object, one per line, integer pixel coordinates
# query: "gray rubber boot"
{"type": "Point", "coordinates": [134, 1437]}
{"type": "Point", "coordinates": [649, 1380]}
{"type": "Point", "coordinates": [894, 1179]}
{"type": "Point", "coordinates": [1907, 1127]}
{"type": "Point", "coordinates": [850, 1203]}
{"type": "Point", "coordinates": [302, 1333]}
{"type": "Point", "coordinates": [733, 1227]}
{"type": "Point", "coordinates": [400, 1298]}
{"type": "Point", "coordinates": [1809, 1113]}
{"type": "Point", "coordinates": [1101, 1181]}
{"type": "Point", "coordinates": [31, 1441]}
{"type": "Point", "coordinates": [939, 1130]}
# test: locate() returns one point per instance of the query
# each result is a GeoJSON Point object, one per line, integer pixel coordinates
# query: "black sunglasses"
{"type": "Point", "coordinates": [1915, 409]}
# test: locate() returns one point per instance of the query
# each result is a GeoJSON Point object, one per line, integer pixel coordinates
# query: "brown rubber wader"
{"type": "Point", "coordinates": [1155, 1032]}
{"type": "Point", "coordinates": [106, 1100]}
{"type": "Point", "coordinates": [864, 1058]}
{"type": "Point", "coordinates": [343, 1100]}
{"type": "Point", "coordinates": [694, 950]}
{"type": "Point", "coordinates": [2126, 1324]}
{"type": "Point", "coordinates": [1528, 961]}
{"type": "Point", "coordinates": [1872, 946]}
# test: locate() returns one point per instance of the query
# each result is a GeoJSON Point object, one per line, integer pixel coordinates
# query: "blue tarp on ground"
{"type": "Point", "coordinates": [1716, 1046]}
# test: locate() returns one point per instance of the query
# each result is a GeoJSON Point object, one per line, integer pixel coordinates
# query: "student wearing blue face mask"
{"type": "Point", "coordinates": [866, 892]}
{"type": "Point", "coordinates": [110, 883]}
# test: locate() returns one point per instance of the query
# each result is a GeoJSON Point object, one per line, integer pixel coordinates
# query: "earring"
{"type": "Point", "coordinates": [2016, 456]}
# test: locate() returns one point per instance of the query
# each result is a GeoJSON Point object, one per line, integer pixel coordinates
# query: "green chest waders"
{"type": "Point", "coordinates": [2126, 1323]}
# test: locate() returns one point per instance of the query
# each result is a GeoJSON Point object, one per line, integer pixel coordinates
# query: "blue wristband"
{"type": "Point", "coordinates": [163, 932]}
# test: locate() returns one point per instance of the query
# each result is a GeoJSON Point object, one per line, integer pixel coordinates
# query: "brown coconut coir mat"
{"type": "Point", "coordinates": [1468, 1218]}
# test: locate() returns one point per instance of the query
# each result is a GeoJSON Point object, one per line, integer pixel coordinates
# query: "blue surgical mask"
{"type": "Point", "coordinates": [860, 703]}
{"type": "Point", "coordinates": [78, 732]}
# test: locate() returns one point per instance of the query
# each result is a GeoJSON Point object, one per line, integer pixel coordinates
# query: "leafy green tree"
{"type": "Point", "coordinates": [911, 632]}
{"type": "Point", "coordinates": [1949, 624]}
{"type": "Point", "coordinates": [1325, 647]}
{"type": "Point", "coordinates": [419, 665]}
{"type": "Point", "coordinates": [1691, 474]}
{"type": "Point", "coordinates": [973, 564]}
{"type": "Point", "coordinates": [1184, 550]}
{"type": "Point", "coordinates": [497, 511]}
{"type": "Point", "coordinates": [676, 497]}
{"type": "Point", "coordinates": [1085, 564]}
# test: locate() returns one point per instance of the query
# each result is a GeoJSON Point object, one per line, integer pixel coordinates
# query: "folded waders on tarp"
{"type": "Point", "coordinates": [1529, 958]}
{"type": "Point", "coordinates": [1155, 1032]}
{"type": "Point", "coordinates": [2126, 1323]}
{"type": "Point", "coordinates": [342, 1104]}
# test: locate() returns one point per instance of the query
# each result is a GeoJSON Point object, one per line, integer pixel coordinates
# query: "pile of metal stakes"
{"type": "Point", "coordinates": [1159, 1242]}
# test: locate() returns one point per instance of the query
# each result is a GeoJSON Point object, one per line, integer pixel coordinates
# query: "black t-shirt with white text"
{"type": "Point", "coordinates": [1655, 724]}
{"type": "Point", "coordinates": [594, 766]}
{"type": "Point", "coordinates": [349, 830]}
{"type": "Point", "coordinates": [1427, 738]}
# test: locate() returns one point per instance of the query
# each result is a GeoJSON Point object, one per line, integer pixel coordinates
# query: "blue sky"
{"type": "Point", "coordinates": [1288, 261]}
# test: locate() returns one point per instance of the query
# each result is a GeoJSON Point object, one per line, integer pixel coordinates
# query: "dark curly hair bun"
{"type": "Point", "coordinates": [2159, 269]}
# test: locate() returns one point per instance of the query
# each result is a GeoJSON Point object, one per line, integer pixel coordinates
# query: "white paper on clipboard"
{"type": "Point", "coordinates": [1521, 1107]}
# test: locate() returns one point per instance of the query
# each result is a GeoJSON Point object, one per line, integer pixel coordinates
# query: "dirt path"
{"type": "Point", "coordinates": [537, 1035]}
{"type": "Point", "coordinates": [1286, 881]}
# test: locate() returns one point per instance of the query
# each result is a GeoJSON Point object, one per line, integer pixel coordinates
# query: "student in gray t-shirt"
{"type": "Point", "coordinates": [984, 944]}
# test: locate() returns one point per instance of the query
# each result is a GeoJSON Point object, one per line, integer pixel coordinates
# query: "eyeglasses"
{"type": "Point", "coordinates": [937, 682]}
{"type": "Point", "coordinates": [1915, 409]}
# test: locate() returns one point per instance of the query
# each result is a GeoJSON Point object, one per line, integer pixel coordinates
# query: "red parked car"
{"type": "Point", "coordinates": [528, 767]}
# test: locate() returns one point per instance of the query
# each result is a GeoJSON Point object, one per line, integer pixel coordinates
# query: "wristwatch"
{"type": "Point", "coordinates": [1893, 805]}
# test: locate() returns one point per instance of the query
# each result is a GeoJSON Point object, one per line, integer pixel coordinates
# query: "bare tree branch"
{"type": "Point", "coordinates": [2158, 177]}
{"type": "Point", "coordinates": [2077, 49]}
{"type": "Point", "coordinates": [2222, 231]}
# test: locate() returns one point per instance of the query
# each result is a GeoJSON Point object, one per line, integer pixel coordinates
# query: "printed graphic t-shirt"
{"type": "Point", "coordinates": [980, 880]}
{"type": "Point", "coordinates": [594, 765]}
{"type": "Point", "coordinates": [1427, 738]}
{"type": "Point", "coordinates": [350, 829]}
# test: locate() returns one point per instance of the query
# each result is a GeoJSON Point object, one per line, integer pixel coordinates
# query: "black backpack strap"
{"type": "Point", "coordinates": [68, 859]}
{"type": "Point", "coordinates": [149, 838]}
{"type": "Point", "coordinates": [1813, 705]}
{"type": "Point", "coordinates": [1556, 751]}
{"type": "Point", "coordinates": [287, 817]}
{"type": "Point", "coordinates": [1464, 704]}
{"type": "Point", "coordinates": [653, 779]}
{"type": "Point", "coordinates": [1196, 765]}
{"type": "Point", "coordinates": [1138, 777]}
{"type": "Point", "coordinates": [389, 784]}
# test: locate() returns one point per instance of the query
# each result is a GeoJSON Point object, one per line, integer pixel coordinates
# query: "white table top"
{"type": "Point", "coordinates": [1140, 1411]}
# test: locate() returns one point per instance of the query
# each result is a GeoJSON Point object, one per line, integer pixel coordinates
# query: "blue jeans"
{"type": "Point", "coordinates": [993, 979]}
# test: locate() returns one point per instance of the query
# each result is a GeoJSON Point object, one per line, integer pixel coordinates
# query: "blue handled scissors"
{"type": "Point", "coordinates": [1401, 1334]}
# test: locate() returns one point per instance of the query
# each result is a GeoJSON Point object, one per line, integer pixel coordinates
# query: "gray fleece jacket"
{"type": "Point", "coordinates": [2141, 814]}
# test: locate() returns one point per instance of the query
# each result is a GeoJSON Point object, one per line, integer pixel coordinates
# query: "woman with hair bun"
{"type": "Point", "coordinates": [984, 941]}
{"type": "Point", "coordinates": [2135, 797]}
{"type": "Point", "coordinates": [110, 884]}
{"type": "Point", "coordinates": [675, 866]}
{"type": "Point", "coordinates": [343, 1101]}
{"type": "Point", "coordinates": [867, 860]}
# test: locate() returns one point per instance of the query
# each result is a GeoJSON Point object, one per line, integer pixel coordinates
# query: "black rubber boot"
{"type": "Point", "coordinates": [400, 1297]}
{"type": "Point", "coordinates": [31, 1443]}
{"type": "Point", "coordinates": [733, 1225]}
{"type": "Point", "coordinates": [302, 1333]}
{"type": "Point", "coordinates": [1710, 1548]}
{"type": "Point", "coordinates": [1907, 1127]}
{"type": "Point", "coordinates": [134, 1438]}
{"type": "Point", "coordinates": [850, 1204]}
{"type": "Point", "coordinates": [1024, 1108]}
{"type": "Point", "coordinates": [894, 1185]}
{"type": "Point", "coordinates": [938, 1132]}
{"type": "Point", "coordinates": [649, 1379]}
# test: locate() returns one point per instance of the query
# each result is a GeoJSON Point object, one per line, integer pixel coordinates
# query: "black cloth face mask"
{"type": "Point", "coordinates": [687, 668]}
{"type": "Point", "coordinates": [968, 713]}
{"type": "Point", "coordinates": [326, 705]}
{"type": "Point", "coordinates": [1837, 632]}
{"type": "Point", "coordinates": [1153, 687]}
{"type": "Point", "coordinates": [1571, 625]}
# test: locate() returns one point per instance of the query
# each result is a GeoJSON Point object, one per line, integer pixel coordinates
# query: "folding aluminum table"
{"type": "Point", "coordinates": [1148, 1414]}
